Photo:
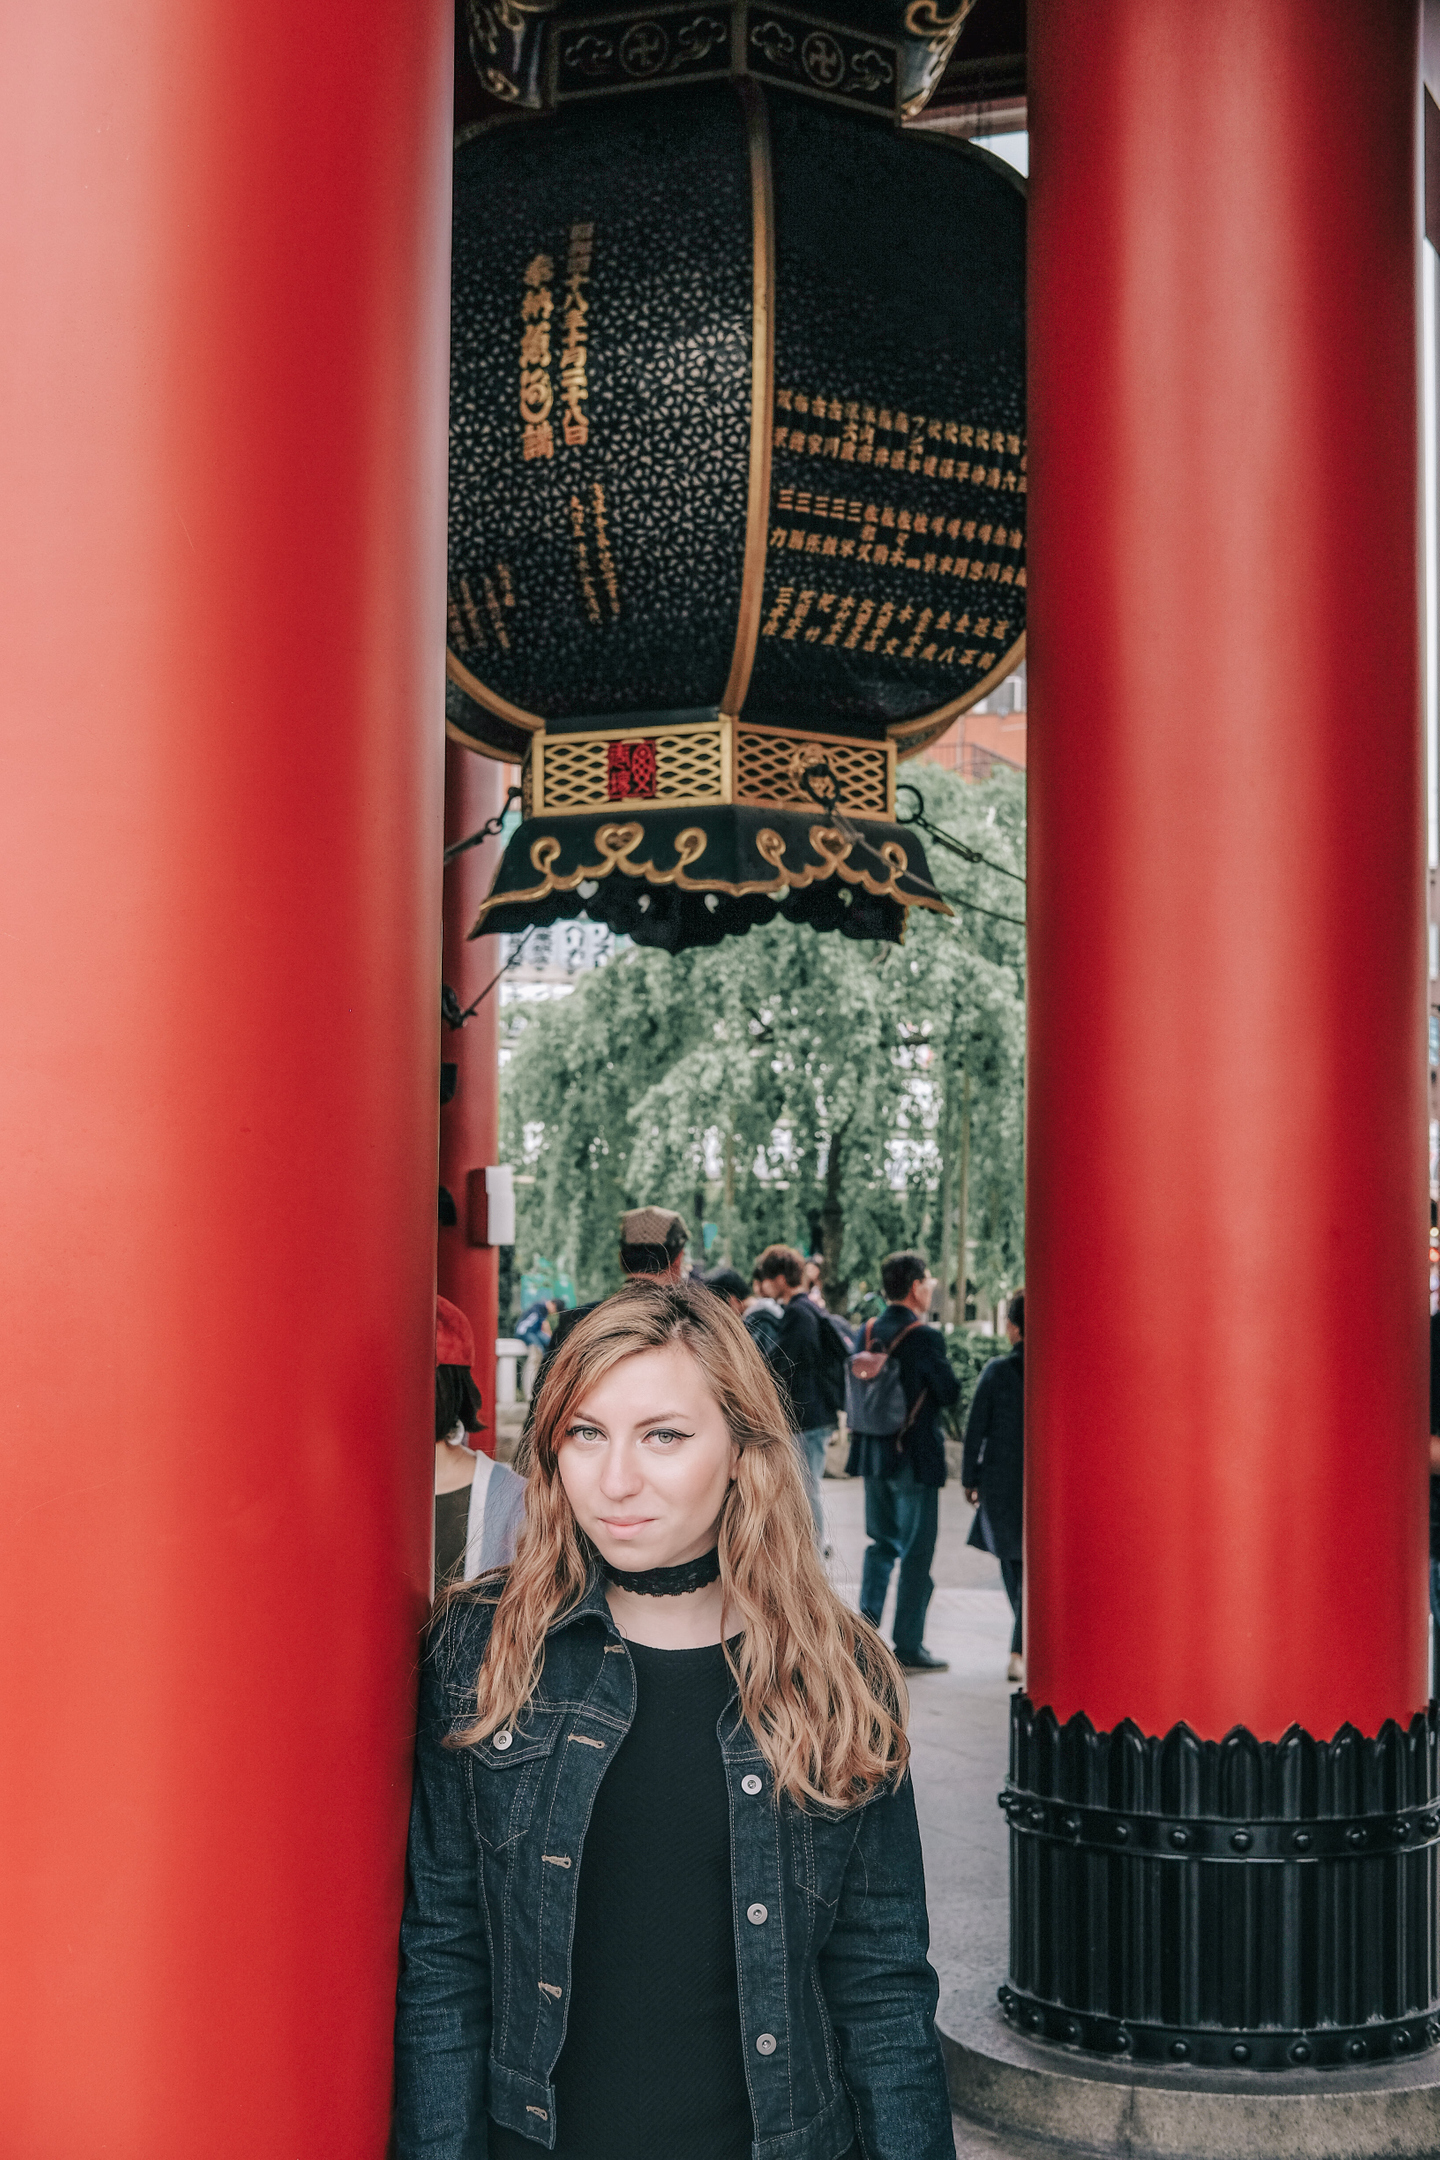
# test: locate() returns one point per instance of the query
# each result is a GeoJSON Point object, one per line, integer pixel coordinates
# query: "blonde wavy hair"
{"type": "Point", "coordinates": [818, 1688]}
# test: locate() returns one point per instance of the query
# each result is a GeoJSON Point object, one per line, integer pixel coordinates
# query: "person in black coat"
{"type": "Point", "coordinates": [993, 1467]}
{"type": "Point", "coordinates": [903, 1473]}
{"type": "Point", "coordinates": [794, 1356]}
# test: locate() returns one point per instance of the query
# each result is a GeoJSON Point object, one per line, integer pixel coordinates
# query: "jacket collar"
{"type": "Point", "coordinates": [593, 1602]}
{"type": "Point", "coordinates": [737, 1742]}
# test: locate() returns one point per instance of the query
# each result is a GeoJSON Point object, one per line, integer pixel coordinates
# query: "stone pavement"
{"type": "Point", "coordinates": [959, 1731]}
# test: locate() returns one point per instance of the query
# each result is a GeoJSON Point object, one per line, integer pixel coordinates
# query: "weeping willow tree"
{"type": "Point", "coordinates": [795, 1085]}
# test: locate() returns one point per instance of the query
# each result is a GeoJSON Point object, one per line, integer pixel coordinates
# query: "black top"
{"type": "Point", "coordinates": [452, 1528]}
{"type": "Point", "coordinates": [653, 2062]}
{"type": "Point", "coordinates": [995, 1450]}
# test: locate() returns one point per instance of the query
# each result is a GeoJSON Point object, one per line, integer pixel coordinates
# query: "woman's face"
{"type": "Point", "coordinates": [646, 1460]}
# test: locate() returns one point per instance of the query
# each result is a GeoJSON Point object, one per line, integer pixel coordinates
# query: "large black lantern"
{"type": "Point", "coordinates": [737, 493]}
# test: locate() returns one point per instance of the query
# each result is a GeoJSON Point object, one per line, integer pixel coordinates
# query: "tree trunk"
{"type": "Point", "coordinates": [963, 1209]}
{"type": "Point", "coordinates": [946, 1270]}
{"type": "Point", "coordinates": [832, 1226]}
{"type": "Point", "coordinates": [727, 1212]}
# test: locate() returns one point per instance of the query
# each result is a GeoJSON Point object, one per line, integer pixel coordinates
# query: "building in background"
{"type": "Point", "coordinates": [548, 963]}
{"type": "Point", "coordinates": [991, 733]}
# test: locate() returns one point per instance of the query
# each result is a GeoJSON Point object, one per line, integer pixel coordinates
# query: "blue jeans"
{"type": "Point", "coordinates": [811, 1444]}
{"type": "Point", "coordinates": [901, 1522]}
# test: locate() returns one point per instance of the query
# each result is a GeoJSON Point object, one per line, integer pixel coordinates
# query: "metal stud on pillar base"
{"type": "Point", "coordinates": [1235, 1903]}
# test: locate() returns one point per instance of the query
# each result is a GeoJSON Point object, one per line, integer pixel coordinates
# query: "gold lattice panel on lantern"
{"type": "Point", "coordinates": [573, 768]}
{"type": "Point", "coordinates": [677, 767]}
{"type": "Point", "coordinates": [803, 772]}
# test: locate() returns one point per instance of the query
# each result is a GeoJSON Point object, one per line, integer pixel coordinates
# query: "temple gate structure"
{"type": "Point", "coordinates": [226, 796]}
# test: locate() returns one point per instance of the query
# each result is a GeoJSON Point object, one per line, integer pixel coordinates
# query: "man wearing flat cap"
{"type": "Point", "coordinates": [652, 1242]}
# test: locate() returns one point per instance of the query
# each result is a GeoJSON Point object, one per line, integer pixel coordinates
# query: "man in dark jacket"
{"type": "Point", "coordinates": [903, 1473]}
{"type": "Point", "coordinates": [993, 1469]}
{"type": "Point", "coordinates": [795, 1361]}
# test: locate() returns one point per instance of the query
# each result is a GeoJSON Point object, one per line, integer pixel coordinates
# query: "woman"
{"type": "Point", "coordinates": [665, 1897]}
{"type": "Point", "coordinates": [993, 1471]}
{"type": "Point", "coordinates": [478, 1502]}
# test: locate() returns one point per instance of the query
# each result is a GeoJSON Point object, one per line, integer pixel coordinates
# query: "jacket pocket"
{"type": "Point", "coordinates": [821, 1845]}
{"type": "Point", "coordinates": [508, 1770]}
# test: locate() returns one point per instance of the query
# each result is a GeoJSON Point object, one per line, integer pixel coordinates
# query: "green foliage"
{"type": "Point", "coordinates": [791, 1077]}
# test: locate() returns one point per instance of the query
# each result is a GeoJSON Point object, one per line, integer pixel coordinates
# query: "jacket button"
{"type": "Point", "coordinates": [765, 2044]}
{"type": "Point", "coordinates": [502, 1740]}
{"type": "Point", "coordinates": [757, 1915]}
{"type": "Point", "coordinates": [751, 1784]}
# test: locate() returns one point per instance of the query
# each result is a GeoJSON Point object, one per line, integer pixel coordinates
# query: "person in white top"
{"type": "Point", "coordinates": [479, 1503]}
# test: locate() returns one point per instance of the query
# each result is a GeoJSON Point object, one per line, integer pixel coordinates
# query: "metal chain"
{"type": "Point", "coordinates": [487, 831]}
{"type": "Point", "coordinates": [948, 840]}
{"type": "Point", "coordinates": [450, 1010]}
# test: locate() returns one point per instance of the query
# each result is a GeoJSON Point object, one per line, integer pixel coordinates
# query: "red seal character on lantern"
{"type": "Point", "coordinates": [630, 769]}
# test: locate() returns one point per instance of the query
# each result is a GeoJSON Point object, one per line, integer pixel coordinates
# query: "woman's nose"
{"type": "Point", "coordinates": [620, 1473]}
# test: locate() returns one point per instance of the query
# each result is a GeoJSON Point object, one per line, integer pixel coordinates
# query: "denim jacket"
{"type": "Point", "coordinates": [837, 1996]}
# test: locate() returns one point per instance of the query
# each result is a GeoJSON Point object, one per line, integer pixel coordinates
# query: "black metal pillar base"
{"type": "Point", "coordinates": [1235, 1903]}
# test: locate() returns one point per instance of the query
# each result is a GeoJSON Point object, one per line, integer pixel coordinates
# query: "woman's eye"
{"type": "Point", "coordinates": [664, 1434]}
{"type": "Point", "coordinates": [583, 1432]}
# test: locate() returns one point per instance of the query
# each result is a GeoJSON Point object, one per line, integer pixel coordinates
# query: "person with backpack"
{"type": "Point", "coordinates": [899, 1381]}
{"type": "Point", "coordinates": [810, 1374]}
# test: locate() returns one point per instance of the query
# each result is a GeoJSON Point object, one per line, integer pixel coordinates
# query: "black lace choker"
{"type": "Point", "coordinates": [668, 1581]}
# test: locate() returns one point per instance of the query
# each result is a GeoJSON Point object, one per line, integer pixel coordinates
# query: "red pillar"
{"type": "Point", "coordinates": [222, 523]}
{"type": "Point", "coordinates": [1227, 1191]}
{"type": "Point", "coordinates": [470, 1122]}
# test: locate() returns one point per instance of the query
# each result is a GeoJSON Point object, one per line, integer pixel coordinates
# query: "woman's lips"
{"type": "Point", "coordinates": [620, 1524]}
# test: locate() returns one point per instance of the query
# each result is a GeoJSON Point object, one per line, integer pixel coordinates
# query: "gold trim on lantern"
{"type": "Point", "coordinates": [617, 845]}
{"type": "Point", "coordinates": [942, 26]}
{"type": "Point", "coordinates": [490, 699]}
{"type": "Point", "coordinates": [482, 749]}
{"type": "Point", "coordinates": [912, 736]}
{"type": "Point", "coordinates": [762, 396]}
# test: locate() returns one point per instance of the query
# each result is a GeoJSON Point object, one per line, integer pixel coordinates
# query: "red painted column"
{"type": "Point", "coordinates": [222, 527]}
{"type": "Point", "coordinates": [470, 1122]}
{"type": "Point", "coordinates": [1227, 1185]}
